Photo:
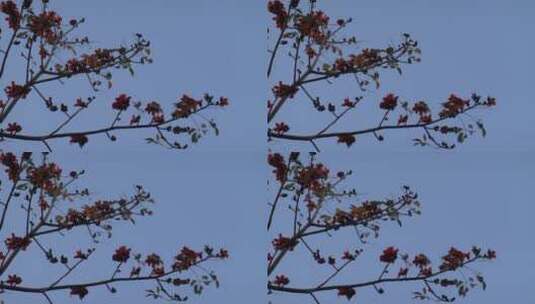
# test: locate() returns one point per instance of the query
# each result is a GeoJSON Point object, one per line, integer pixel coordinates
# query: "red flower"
{"type": "Point", "coordinates": [80, 255]}
{"type": "Point", "coordinates": [121, 103]}
{"type": "Point", "coordinates": [223, 254]}
{"type": "Point", "coordinates": [13, 16]}
{"type": "Point", "coordinates": [389, 102]}
{"type": "Point", "coordinates": [421, 260]}
{"type": "Point", "coordinates": [15, 242]}
{"type": "Point", "coordinates": [42, 52]}
{"type": "Point", "coordinates": [277, 8]}
{"type": "Point", "coordinates": [79, 139]}
{"type": "Point", "coordinates": [43, 25]}
{"type": "Point", "coordinates": [153, 260]}
{"type": "Point", "coordinates": [347, 139]}
{"type": "Point", "coordinates": [420, 108]}
{"type": "Point", "coordinates": [153, 108]}
{"type": "Point", "coordinates": [186, 106]}
{"type": "Point", "coordinates": [13, 128]}
{"type": "Point", "coordinates": [158, 119]}
{"type": "Point", "coordinates": [45, 176]}
{"type": "Point", "coordinates": [283, 90]}
{"type": "Point", "coordinates": [10, 161]}
{"type": "Point", "coordinates": [75, 66]}
{"type": "Point", "coordinates": [347, 292]}
{"type": "Point", "coordinates": [348, 103]}
{"type": "Point", "coordinates": [13, 280]}
{"type": "Point", "coordinates": [403, 272]}
{"type": "Point", "coordinates": [311, 25]}
{"type": "Point", "coordinates": [403, 119]}
{"type": "Point", "coordinates": [158, 271]}
{"type": "Point", "coordinates": [310, 52]}
{"type": "Point", "coordinates": [276, 160]}
{"type": "Point", "coordinates": [454, 259]}
{"type": "Point", "coordinates": [389, 255]}
{"type": "Point", "coordinates": [223, 102]}
{"type": "Point", "coordinates": [185, 259]}
{"type": "Point", "coordinates": [426, 272]}
{"type": "Point", "coordinates": [281, 280]}
{"type": "Point", "coordinates": [281, 128]}
{"type": "Point", "coordinates": [312, 176]}
{"type": "Point", "coordinates": [491, 254]}
{"type": "Point", "coordinates": [79, 291]}
{"type": "Point", "coordinates": [348, 256]}
{"type": "Point", "coordinates": [122, 254]}
{"type": "Point", "coordinates": [453, 106]}
{"type": "Point", "coordinates": [80, 103]}
{"type": "Point", "coordinates": [284, 243]}
{"type": "Point", "coordinates": [16, 91]}
{"type": "Point", "coordinates": [135, 119]}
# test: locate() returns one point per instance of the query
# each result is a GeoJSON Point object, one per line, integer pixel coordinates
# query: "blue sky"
{"type": "Point", "coordinates": [215, 192]}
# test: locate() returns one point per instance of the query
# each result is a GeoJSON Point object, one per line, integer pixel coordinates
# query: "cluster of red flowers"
{"type": "Point", "coordinates": [16, 91]}
{"type": "Point", "coordinates": [276, 7]}
{"type": "Point", "coordinates": [186, 258]}
{"type": "Point", "coordinates": [421, 261]}
{"type": "Point", "coordinates": [312, 176]}
{"type": "Point", "coordinates": [223, 102]}
{"type": "Point", "coordinates": [15, 243]}
{"type": "Point", "coordinates": [155, 110]}
{"type": "Point", "coordinates": [45, 176]}
{"type": "Point", "coordinates": [45, 25]}
{"type": "Point", "coordinates": [284, 243]}
{"type": "Point", "coordinates": [153, 260]}
{"type": "Point", "coordinates": [80, 255]}
{"type": "Point", "coordinates": [453, 106]}
{"type": "Point", "coordinates": [389, 255]}
{"type": "Point", "coordinates": [80, 103]}
{"type": "Point", "coordinates": [121, 103]}
{"type": "Point", "coordinates": [283, 90]}
{"type": "Point", "coordinates": [80, 139]}
{"type": "Point", "coordinates": [313, 25]}
{"type": "Point", "coordinates": [422, 109]}
{"type": "Point", "coordinates": [186, 106]}
{"type": "Point", "coordinates": [346, 138]}
{"type": "Point", "coordinates": [96, 212]}
{"type": "Point", "coordinates": [277, 161]}
{"type": "Point", "coordinates": [364, 60]}
{"type": "Point", "coordinates": [365, 211]}
{"type": "Point", "coordinates": [12, 165]}
{"type": "Point", "coordinates": [13, 15]}
{"type": "Point", "coordinates": [79, 291]}
{"type": "Point", "coordinates": [94, 61]}
{"type": "Point", "coordinates": [348, 103]}
{"type": "Point", "coordinates": [121, 255]}
{"type": "Point", "coordinates": [454, 259]}
{"type": "Point", "coordinates": [389, 102]}
{"type": "Point", "coordinates": [347, 292]}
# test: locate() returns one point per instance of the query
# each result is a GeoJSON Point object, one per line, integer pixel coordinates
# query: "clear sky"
{"type": "Point", "coordinates": [215, 193]}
